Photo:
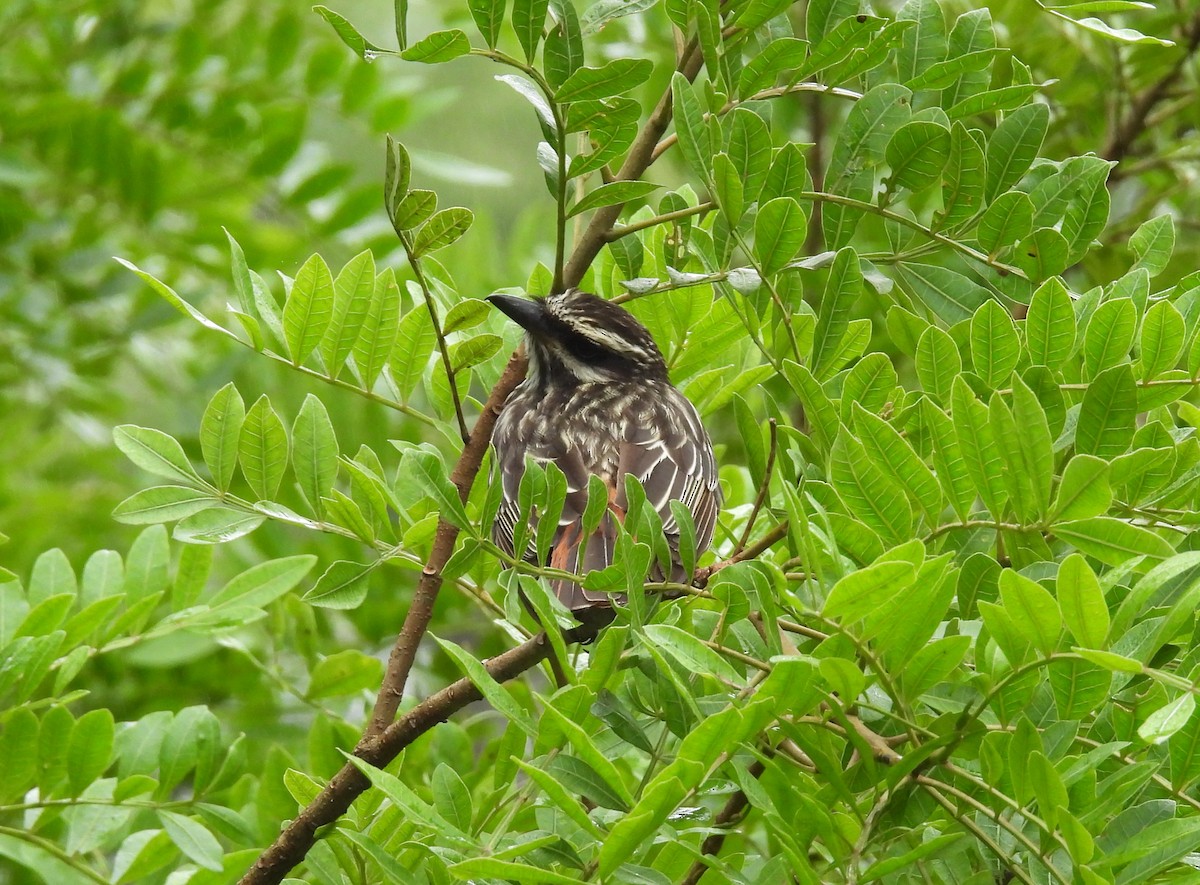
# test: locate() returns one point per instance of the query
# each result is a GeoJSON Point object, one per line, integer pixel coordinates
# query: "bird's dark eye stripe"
{"type": "Point", "coordinates": [588, 351]}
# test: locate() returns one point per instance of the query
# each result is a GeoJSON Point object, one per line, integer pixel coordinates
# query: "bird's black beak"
{"type": "Point", "coordinates": [528, 313]}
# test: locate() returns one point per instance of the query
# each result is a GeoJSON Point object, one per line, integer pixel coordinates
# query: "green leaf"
{"type": "Point", "coordinates": [162, 504]}
{"type": "Point", "coordinates": [263, 449]}
{"type": "Point", "coordinates": [1032, 609]}
{"type": "Point", "coordinates": [937, 362]}
{"type": "Point", "coordinates": [344, 585]}
{"type": "Point", "coordinates": [529, 20]}
{"type": "Point", "coordinates": [427, 470]}
{"type": "Point", "coordinates": [978, 444]}
{"type": "Point", "coordinates": [493, 692]}
{"type": "Point", "coordinates": [216, 525]}
{"type": "Point", "coordinates": [690, 652]}
{"type": "Point", "coordinates": [465, 314]}
{"type": "Point", "coordinates": [414, 208]}
{"type": "Point", "coordinates": [379, 328]}
{"type": "Point", "coordinates": [557, 793]}
{"type": "Point", "coordinates": [917, 153]}
{"type": "Point", "coordinates": [262, 584]}
{"type": "Point", "coordinates": [478, 868]}
{"type": "Point", "coordinates": [893, 454]}
{"type": "Point", "coordinates": [870, 494]}
{"type": "Point", "coordinates": [863, 592]}
{"type": "Point", "coordinates": [1110, 661]}
{"type": "Point", "coordinates": [1109, 335]}
{"type": "Point", "coordinates": [1042, 254]}
{"type": "Point", "coordinates": [1122, 35]}
{"type": "Point", "coordinates": [1084, 490]}
{"type": "Point", "coordinates": [761, 71]}
{"type": "Point", "coordinates": [1112, 541]}
{"type": "Point", "coordinates": [1107, 414]}
{"type": "Point", "coordinates": [308, 309]}
{"type": "Point", "coordinates": [693, 135]}
{"type": "Point", "coordinates": [860, 148]}
{"type": "Point", "coordinates": [155, 452]}
{"type": "Point", "coordinates": [193, 839]}
{"type": "Point", "coordinates": [1023, 438]}
{"type": "Point", "coordinates": [614, 78]}
{"type": "Point", "coordinates": [349, 35]}
{"type": "Point", "coordinates": [489, 18]}
{"type": "Point", "coordinates": [346, 672]}
{"type": "Point", "coordinates": [612, 194]}
{"type": "Point", "coordinates": [352, 293]}
{"type": "Point", "coordinates": [146, 566]}
{"type": "Point", "coordinates": [1152, 244]}
{"type": "Point", "coordinates": [474, 351]}
{"type": "Point", "coordinates": [787, 176]}
{"type": "Point", "coordinates": [1082, 602]}
{"type": "Point", "coordinates": [587, 751]}
{"type": "Point", "coordinates": [1050, 325]}
{"type": "Point", "coordinates": [443, 229]}
{"type": "Point", "coordinates": [995, 347]}
{"type": "Point", "coordinates": [1162, 339]}
{"type": "Point", "coordinates": [925, 44]}
{"type": "Point", "coordinates": [1007, 220]}
{"type": "Point", "coordinates": [408, 363]}
{"type": "Point", "coordinates": [397, 175]}
{"type": "Point", "coordinates": [1166, 721]}
{"type": "Point", "coordinates": [1014, 146]}
{"type": "Point", "coordinates": [949, 294]}
{"type": "Point", "coordinates": [779, 232]}
{"type": "Point", "coordinates": [89, 749]}
{"type": "Point", "coordinates": [440, 46]}
{"type": "Point", "coordinates": [842, 288]}
{"type": "Point", "coordinates": [962, 180]}
{"type": "Point", "coordinates": [220, 429]}
{"type": "Point", "coordinates": [562, 55]}
{"type": "Point", "coordinates": [314, 451]}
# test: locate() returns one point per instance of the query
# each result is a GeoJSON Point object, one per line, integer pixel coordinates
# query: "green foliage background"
{"type": "Point", "coordinates": [948, 352]}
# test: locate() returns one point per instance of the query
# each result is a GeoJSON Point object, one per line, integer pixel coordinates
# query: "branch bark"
{"type": "Point", "coordinates": [1134, 124]}
{"type": "Point", "coordinates": [416, 622]}
{"type": "Point", "coordinates": [298, 837]}
{"type": "Point", "coordinates": [641, 155]}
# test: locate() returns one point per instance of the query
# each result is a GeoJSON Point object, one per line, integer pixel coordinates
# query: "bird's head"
{"type": "Point", "coordinates": [577, 337]}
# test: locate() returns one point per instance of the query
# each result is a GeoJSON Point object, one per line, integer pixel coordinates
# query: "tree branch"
{"type": "Point", "coordinates": [290, 848]}
{"type": "Point", "coordinates": [416, 622]}
{"type": "Point", "coordinates": [640, 156]}
{"type": "Point", "coordinates": [1128, 130]}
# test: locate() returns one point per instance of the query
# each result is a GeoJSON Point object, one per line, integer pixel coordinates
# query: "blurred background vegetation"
{"type": "Point", "coordinates": [142, 128]}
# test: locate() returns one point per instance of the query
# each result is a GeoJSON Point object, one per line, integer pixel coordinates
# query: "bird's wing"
{"type": "Point", "coordinates": [673, 459]}
{"type": "Point", "coordinates": [510, 466]}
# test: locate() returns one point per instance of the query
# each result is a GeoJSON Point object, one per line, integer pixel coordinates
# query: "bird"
{"type": "Point", "coordinates": [597, 401]}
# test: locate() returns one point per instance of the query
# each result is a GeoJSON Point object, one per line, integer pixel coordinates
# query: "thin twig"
{"type": "Point", "coordinates": [732, 812]}
{"type": "Point", "coordinates": [443, 349]}
{"type": "Point", "coordinates": [763, 488]}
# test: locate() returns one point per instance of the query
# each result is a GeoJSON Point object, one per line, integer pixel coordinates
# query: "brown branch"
{"type": "Point", "coordinates": [416, 622]}
{"type": "Point", "coordinates": [726, 818]}
{"type": "Point", "coordinates": [640, 156]}
{"type": "Point", "coordinates": [1135, 122]}
{"type": "Point", "coordinates": [290, 848]}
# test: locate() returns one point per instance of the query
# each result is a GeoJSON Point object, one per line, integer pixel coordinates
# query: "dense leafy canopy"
{"type": "Point", "coordinates": [917, 266]}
